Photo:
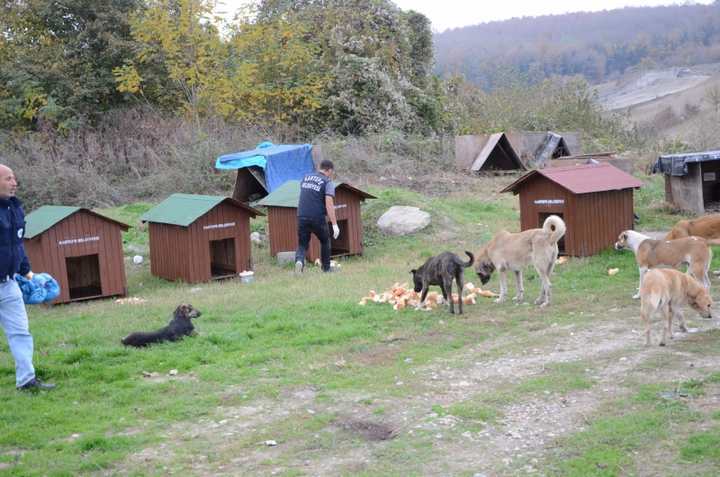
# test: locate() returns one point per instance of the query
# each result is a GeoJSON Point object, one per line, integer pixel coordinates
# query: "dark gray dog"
{"type": "Point", "coordinates": [441, 270]}
{"type": "Point", "coordinates": [179, 327]}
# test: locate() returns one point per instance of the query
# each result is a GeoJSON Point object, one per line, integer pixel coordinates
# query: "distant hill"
{"type": "Point", "coordinates": [599, 46]}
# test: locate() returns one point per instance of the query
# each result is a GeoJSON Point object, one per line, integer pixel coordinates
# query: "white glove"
{"type": "Point", "coordinates": [336, 231]}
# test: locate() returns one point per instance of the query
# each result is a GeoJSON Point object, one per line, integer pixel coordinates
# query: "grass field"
{"type": "Point", "coordinates": [291, 376]}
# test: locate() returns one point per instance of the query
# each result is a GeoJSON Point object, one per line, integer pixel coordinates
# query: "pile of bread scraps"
{"type": "Point", "coordinates": [400, 297]}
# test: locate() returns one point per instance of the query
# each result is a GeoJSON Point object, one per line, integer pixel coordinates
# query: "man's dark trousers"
{"type": "Point", "coordinates": [319, 227]}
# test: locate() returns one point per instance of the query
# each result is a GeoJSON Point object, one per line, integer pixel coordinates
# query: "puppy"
{"type": "Point", "coordinates": [515, 251]}
{"type": "Point", "coordinates": [178, 327]}
{"type": "Point", "coordinates": [707, 227]}
{"type": "Point", "coordinates": [649, 253]}
{"type": "Point", "coordinates": [441, 270]}
{"type": "Point", "coordinates": [667, 290]}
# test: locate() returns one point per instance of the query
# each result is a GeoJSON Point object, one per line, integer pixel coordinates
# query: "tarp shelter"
{"type": "Point", "coordinates": [536, 149]}
{"type": "Point", "coordinates": [497, 154]}
{"type": "Point", "coordinates": [692, 180]}
{"type": "Point", "coordinates": [491, 153]}
{"type": "Point", "coordinates": [595, 201]}
{"type": "Point", "coordinates": [282, 220]}
{"type": "Point", "coordinates": [80, 248]}
{"type": "Point", "coordinates": [197, 238]}
{"type": "Point", "coordinates": [265, 168]}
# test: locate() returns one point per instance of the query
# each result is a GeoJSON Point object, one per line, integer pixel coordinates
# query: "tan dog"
{"type": "Point", "coordinates": [649, 253]}
{"type": "Point", "coordinates": [516, 251]}
{"type": "Point", "coordinates": [707, 227]}
{"type": "Point", "coordinates": [667, 291]}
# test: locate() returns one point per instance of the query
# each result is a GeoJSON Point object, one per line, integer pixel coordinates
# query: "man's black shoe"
{"type": "Point", "coordinates": [36, 385]}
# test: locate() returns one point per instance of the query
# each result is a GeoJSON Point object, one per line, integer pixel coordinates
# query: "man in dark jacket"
{"type": "Point", "coordinates": [315, 207]}
{"type": "Point", "coordinates": [13, 260]}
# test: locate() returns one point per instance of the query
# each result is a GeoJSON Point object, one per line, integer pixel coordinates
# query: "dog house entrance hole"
{"type": "Point", "coordinates": [541, 220]}
{"type": "Point", "coordinates": [710, 177]}
{"type": "Point", "coordinates": [83, 275]}
{"type": "Point", "coordinates": [222, 258]}
{"type": "Point", "coordinates": [341, 246]}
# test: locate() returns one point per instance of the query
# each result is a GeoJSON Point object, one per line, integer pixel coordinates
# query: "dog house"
{"type": "Point", "coordinates": [595, 201]}
{"type": "Point", "coordinates": [282, 220]}
{"type": "Point", "coordinates": [262, 170]}
{"type": "Point", "coordinates": [692, 181]}
{"type": "Point", "coordinates": [80, 248]}
{"type": "Point", "coordinates": [492, 153]}
{"type": "Point", "coordinates": [198, 238]}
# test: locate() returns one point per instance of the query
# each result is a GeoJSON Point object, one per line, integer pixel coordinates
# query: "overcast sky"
{"type": "Point", "coordinates": [446, 14]}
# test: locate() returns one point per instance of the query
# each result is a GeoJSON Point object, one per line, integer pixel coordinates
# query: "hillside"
{"type": "Point", "coordinates": [598, 46]}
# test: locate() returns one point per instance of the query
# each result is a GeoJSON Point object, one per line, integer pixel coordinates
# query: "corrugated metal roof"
{"type": "Point", "coordinates": [582, 179]}
{"type": "Point", "coordinates": [45, 217]}
{"type": "Point", "coordinates": [496, 140]}
{"type": "Point", "coordinates": [288, 194]}
{"type": "Point", "coordinates": [676, 164]}
{"type": "Point", "coordinates": [184, 209]}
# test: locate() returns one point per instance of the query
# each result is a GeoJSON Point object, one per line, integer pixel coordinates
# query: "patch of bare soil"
{"type": "Point", "coordinates": [368, 430]}
{"type": "Point", "coordinates": [527, 427]}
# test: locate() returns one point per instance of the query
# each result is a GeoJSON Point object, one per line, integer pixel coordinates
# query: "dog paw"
{"type": "Point", "coordinates": [683, 329]}
{"type": "Point", "coordinates": [499, 300]}
{"type": "Point", "coordinates": [636, 296]}
{"type": "Point", "coordinates": [662, 343]}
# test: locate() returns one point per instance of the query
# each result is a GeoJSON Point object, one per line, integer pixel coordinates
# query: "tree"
{"type": "Point", "coordinates": [56, 58]}
{"type": "Point", "coordinates": [180, 58]}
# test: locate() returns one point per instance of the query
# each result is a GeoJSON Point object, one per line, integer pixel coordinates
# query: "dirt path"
{"type": "Point", "coordinates": [514, 443]}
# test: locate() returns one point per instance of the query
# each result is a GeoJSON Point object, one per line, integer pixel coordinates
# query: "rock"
{"type": "Point", "coordinates": [137, 259]}
{"type": "Point", "coordinates": [284, 258]}
{"type": "Point", "coordinates": [173, 372]}
{"type": "Point", "coordinates": [270, 443]}
{"type": "Point", "coordinates": [403, 220]}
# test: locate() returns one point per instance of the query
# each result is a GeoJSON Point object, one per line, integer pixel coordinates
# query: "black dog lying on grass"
{"type": "Point", "coordinates": [178, 327]}
{"type": "Point", "coordinates": [441, 270]}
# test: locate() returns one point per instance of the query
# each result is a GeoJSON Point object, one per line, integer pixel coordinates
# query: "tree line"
{"type": "Point", "coordinates": [346, 66]}
{"type": "Point", "coordinates": [597, 46]}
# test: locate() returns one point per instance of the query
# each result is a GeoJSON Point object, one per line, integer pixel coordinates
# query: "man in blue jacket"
{"type": "Point", "coordinates": [13, 316]}
{"type": "Point", "coordinates": [315, 207]}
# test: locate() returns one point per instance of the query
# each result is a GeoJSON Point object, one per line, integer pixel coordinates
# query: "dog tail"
{"type": "Point", "coordinates": [469, 263]}
{"type": "Point", "coordinates": [555, 227]}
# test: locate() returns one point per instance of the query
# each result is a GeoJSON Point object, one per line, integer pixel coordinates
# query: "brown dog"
{"type": "Point", "coordinates": [707, 227]}
{"type": "Point", "coordinates": [516, 251]}
{"type": "Point", "coordinates": [649, 253]}
{"type": "Point", "coordinates": [667, 291]}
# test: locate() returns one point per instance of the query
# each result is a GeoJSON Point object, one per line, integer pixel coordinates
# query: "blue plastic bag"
{"type": "Point", "coordinates": [41, 289]}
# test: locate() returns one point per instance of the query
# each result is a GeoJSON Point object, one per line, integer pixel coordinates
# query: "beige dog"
{"type": "Point", "coordinates": [516, 251]}
{"type": "Point", "coordinates": [649, 253]}
{"type": "Point", "coordinates": [707, 227]}
{"type": "Point", "coordinates": [667, 290]}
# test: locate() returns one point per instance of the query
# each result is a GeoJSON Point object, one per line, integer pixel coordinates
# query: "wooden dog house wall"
{"type": "Point", "coordinates": [198, 238]}
{"type": "Point", "coordinates": [81, 249]}
{"type": "Point", "coordinates": [595, 201]}
{"type": "Point", "coordinates": [282, 220]}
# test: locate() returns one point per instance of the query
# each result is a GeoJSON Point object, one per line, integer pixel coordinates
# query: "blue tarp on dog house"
{"type": "Point", "coordinates": [281, 163]}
